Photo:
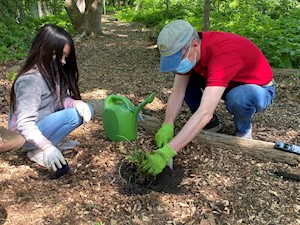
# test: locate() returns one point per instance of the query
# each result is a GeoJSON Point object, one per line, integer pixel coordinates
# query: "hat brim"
{"type": "Point", "coordinates": [170, 63]}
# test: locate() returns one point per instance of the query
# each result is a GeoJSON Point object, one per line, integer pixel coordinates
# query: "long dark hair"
{"type": "Point", "coordinates": [45, 54]}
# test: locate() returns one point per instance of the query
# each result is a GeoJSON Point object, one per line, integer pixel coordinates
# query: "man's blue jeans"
{"type": "Point", "coordinates": [56, 126]}
{"type": "Point", "coordinates": [242, 101]}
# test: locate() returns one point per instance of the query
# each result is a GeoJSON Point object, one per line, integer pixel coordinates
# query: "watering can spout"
{"type": "Point", "coordinates": [149, 99]}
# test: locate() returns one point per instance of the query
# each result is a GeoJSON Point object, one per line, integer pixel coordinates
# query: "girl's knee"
{"type": "Point", "coordinates": [73, 118]}
{"type": "Point", "coordinates": [76, 119]}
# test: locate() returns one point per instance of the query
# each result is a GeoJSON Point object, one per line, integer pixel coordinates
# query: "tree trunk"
{"type": "Point", "coordinates": [34, 10]}
{"type": "Point", "coordinates": [21, 10]}
{"type": "Point", "coordinates": [85, 16]}
{"type": "Point", "coordinates": [92, 17]}
{"type": "Point", "coordinates": [81, 5]}
{"type": "Point", "coordinates": [206, 21]}
{"type": "Point", "coordinates": [75, 16]}
{"type": "Point", "coordinates": [104, 7]}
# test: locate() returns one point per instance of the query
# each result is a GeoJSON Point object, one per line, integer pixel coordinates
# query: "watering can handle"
{"type": "Point", "coordinates": [116, 98]}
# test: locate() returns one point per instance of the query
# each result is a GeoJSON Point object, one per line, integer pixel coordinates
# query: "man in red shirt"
{"type": "Point", "coordinates": [208, 67]}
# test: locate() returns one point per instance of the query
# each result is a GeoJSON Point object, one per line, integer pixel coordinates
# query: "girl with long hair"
{"type": "Point", "coordinates": [46, 104]}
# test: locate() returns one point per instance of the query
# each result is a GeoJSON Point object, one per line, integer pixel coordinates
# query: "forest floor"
{"type": "Point", "coordinates": [209, 185]}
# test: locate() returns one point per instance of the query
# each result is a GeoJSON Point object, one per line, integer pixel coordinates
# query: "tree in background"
{"type": "Point", "coordinates": [85, 15]}
{"type": "Point", "coordinates": [272, 24]}
{"type": "Point", "coordinates": [206, 14]}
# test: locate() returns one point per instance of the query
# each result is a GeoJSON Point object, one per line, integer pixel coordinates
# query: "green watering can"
{"type": "Point", "coordinates": [120, 117]}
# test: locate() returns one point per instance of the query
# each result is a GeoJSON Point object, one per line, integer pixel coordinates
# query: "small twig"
{"type": "Point", "coordinates": [120, 174]}
{"type": "Point", "coordinates": [287, 176]}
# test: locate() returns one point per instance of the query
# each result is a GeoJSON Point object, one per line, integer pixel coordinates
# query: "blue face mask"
{"type": "Point", "coordinates": [185, 65]}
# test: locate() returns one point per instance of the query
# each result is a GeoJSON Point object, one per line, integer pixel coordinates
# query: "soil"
{"type": "Point", "coordinates": [208, 185]}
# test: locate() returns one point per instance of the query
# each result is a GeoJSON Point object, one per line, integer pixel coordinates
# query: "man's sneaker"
{"type": "Point", "coordinates": [246, 135]}
{"type": "Point", "coordinates": [214, 124]}
{"type": "Point", "coordinates": [36, 156]}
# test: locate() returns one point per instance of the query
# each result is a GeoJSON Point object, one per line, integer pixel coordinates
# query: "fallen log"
{"type": "Point", "coordinates": [255, 148]}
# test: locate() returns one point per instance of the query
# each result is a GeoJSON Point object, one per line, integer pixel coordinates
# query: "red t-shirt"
{"type": "Point", "coordinates": [229, 60]}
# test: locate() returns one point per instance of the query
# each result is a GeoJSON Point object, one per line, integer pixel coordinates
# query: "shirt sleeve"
{"type": "Point", "coordinates": [68, 102]}
{"type": "Point", "coordinates": [28, 89]}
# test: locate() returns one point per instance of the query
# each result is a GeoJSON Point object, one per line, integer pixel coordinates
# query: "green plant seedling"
{"type": "Point", "coordinates": [136, 157]}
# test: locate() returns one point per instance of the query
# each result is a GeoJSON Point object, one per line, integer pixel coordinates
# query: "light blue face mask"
{"type": "Point", "coordinates": [185, 64]}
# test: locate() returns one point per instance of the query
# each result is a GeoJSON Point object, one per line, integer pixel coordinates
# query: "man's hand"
{"type": "Point", "coordinates": [157, 160]}
{"type": "Point", "coordinates": [164, 135]}
{"type": "Point", "coordinates": [83, 110]}
{"type": "Point", "coordinates": [52, 157]}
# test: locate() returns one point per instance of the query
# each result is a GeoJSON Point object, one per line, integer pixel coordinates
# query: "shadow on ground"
{"type": "Point", "coordinates": [3, 215]}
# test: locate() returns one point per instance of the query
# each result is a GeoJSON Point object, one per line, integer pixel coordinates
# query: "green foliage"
{"type": "Point", "coordinates": [13, 40]}
{"type": "Point", "coordinates": [12, 75]}
{"type": "Point", "coordinates": [278, 39]}
{"type": "Point", "coordinates": [273, 25]}
{"type": "Point", "coordinates": [126, 14]}
{"type": "Point", "coordinates": [155, 16]}
{"type": "Point", "coordinates": [148, 17]}
{"type": "Point", "coordinates": [16, 37]}
{"type": "Point", "coordinates": [61, 19]}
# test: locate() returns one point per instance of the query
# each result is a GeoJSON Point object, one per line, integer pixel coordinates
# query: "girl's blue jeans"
{"type": "Point", "coordinates": [242, 101]}
{"type": "Point", "coordinates": [58, 125]}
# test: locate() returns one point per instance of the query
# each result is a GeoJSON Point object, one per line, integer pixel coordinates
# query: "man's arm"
{"type": "Point", "coordinates": [176, 98]}
{"type": "Point", "coordinates": [210, 99]}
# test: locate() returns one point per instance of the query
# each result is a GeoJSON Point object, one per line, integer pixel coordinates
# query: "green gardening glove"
{"type": "Point", "coordinates": [164, 135]}
{"type": "Point", "coordinates": [157, 160]}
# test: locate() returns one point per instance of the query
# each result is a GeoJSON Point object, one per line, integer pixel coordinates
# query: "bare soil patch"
{"type": "Point", "coordinates": [208, 186]}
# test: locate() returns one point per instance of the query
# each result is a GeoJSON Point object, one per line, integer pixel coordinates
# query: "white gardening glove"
{"type": "Point", "coordinates": [83, 110]}
{"type": "Point", "coordinates": [52, 157]}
